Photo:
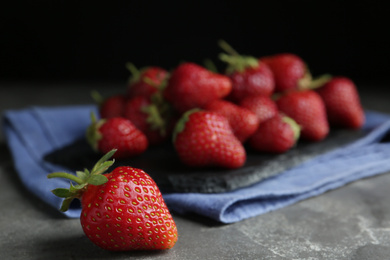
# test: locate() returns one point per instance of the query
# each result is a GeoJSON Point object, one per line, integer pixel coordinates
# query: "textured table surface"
{"type": "Point", "coordinates": [352, 222]}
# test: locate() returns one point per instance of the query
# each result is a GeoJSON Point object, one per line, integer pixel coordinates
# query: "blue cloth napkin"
{"type": "Point", "coordinates": [33, 132]}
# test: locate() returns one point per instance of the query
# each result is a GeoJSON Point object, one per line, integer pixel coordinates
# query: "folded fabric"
{"type": "Point", "coordinates": [33, 132]}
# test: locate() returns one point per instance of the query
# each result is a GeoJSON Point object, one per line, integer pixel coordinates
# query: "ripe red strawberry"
{"type": "Point", "coordinates": [193, 86]}
{"type": "Point", "coordinates": [203, 138]}
{"type": "Point", "coordinates": [289, 71]}
{"type": "Point", "coordinates": [249, 76]}
{"type": "Point", "coordinates": [263, 106]}
{"type": "Point", "coordinates": [147, 117]}
{"type": "Point", "coordinates": [342, 103]}
{"type": "Point", "coordinates": [122, 210]}
{"type": "Point", "coordinates": [242, 121]}
{"type": "Point", "coordinates": [147, 81]}
{"type": "Point", "coordinates": [308, 110]}
{"type": "Point", "coordinates": [275, 135]}
{"type": "Point", "coordinates": [116, 133]}
{"type": "Point", "coordinates": [110, 107]}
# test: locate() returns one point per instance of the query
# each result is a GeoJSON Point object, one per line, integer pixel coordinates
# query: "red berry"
{"type": "Point", "coordinates": [192, 86]}
{"type": "Point", "coordinates": [342, 103]}
{"type": "Point", "coordinates": [122, 210]}
{"type": "Point", "coordinates": [203, 138]}
{"type": "Point", "coordinates": [263, 106]}
{"type": "Point", "coordinates": [147, 117]}
{"type": "Point", "coordinates": [308, 110]}
{"type": "Point", "coordinates": [249, 76]}
{"type": "Point", "coordinates": [275, 135]}
{"type": "Point", "coordinates": [112, 106]}
{"type": "Point", "coordinates": [147, 81]}
{"type": "Point", "coordinates": [288, 69]}
{"type": "Point", "coordinates": [242, 121]}
{"type": "Point", "coordinates": [252, 81]}
{"type": "Point", "coordinates": [117, 133]}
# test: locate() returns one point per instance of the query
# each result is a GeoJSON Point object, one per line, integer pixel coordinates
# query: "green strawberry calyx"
{"type": "Point", "coordinates": [155, 118]}
{"type": "Point", "coordinates": [320, 81]}
{"type": "Point", "coordinates": [134, 71]}
{"type": "Point", "coordinates": [210, 65]}
{"type": "Point", "coordinates": [97, 97]}
{"type": "Point", "coordinates": [308, 82]}
{"type": "Point", "coordinates": [92, 134]}
{"type": "Point", "coordinates": [158, 112]}
{"type": "Point", "coordinates": [180, 125]}
{"type": "Point", "coordinates": [82, 179]}
{"type": "Point", "coordinates": [235, 61]}
{"type": "Point", "coordinates": [159, 86]}
{"type": "Point", "coordinates": [137, 73]}
{"type": "Point", "coordinates": [294, 126]}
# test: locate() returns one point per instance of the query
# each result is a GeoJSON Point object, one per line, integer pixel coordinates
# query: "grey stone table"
{"type": "Point", "coordinates": [352, 222]}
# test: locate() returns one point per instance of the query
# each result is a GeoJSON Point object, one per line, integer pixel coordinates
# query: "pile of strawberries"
{"type": "Point", "coordinates": [264, 104]}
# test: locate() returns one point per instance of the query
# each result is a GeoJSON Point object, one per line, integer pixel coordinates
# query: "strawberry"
{"type": "Point", "coordinates": [263, 106]}
{"type": "Point", "coordinates": [248, 75]}
{"type": "Point", "coordinates": [193, 86]}
{"type": "Point", "coordinates": [116, 133]}
{"type": "Point", "coordinates": [147, 117]}
{"type": "Point", "coordinates": [242, 121]}
{"type": "Point", "coordinates": [275, 135]}
{"type": "Point", "coordinates": [203, 138]}
{"type": "Point", "coordinates": [342, 103]}
{"type": "Point", "coordinates": [147, 81]}
{"type": "Point", "coordinates": [110, 107]}
{"type": "Point", "coordinates": [121, 210]}
{"type": "Point", "coordinates": [289, 70]}
{"type": "Point", "coordinates": [308, 110]}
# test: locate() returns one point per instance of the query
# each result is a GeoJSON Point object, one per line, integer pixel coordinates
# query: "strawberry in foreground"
{"type": "Point", "coordinates": [308, 110]}
{"type": "Point", "coordinates": [342, 103]}
{"type": "Point", "coordinates": [116, 133]}
{"type": "Point", "coordinates": [242, 121]}
{"type": "Point", "coordinates": [203, 138]}
{"type": "Point", "coordinates": [122, 210]}
{"type": "Point", "coordinates": [193, 86]}
{"type": "Point", "coordinates": [276, 135]}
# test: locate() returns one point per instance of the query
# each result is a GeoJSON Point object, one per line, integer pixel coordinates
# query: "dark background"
{"type": "Point", "coordinates": [91, 41]}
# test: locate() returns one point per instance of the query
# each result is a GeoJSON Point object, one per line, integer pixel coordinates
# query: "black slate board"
{"type": "Point", "coordinates": [163, 165]}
